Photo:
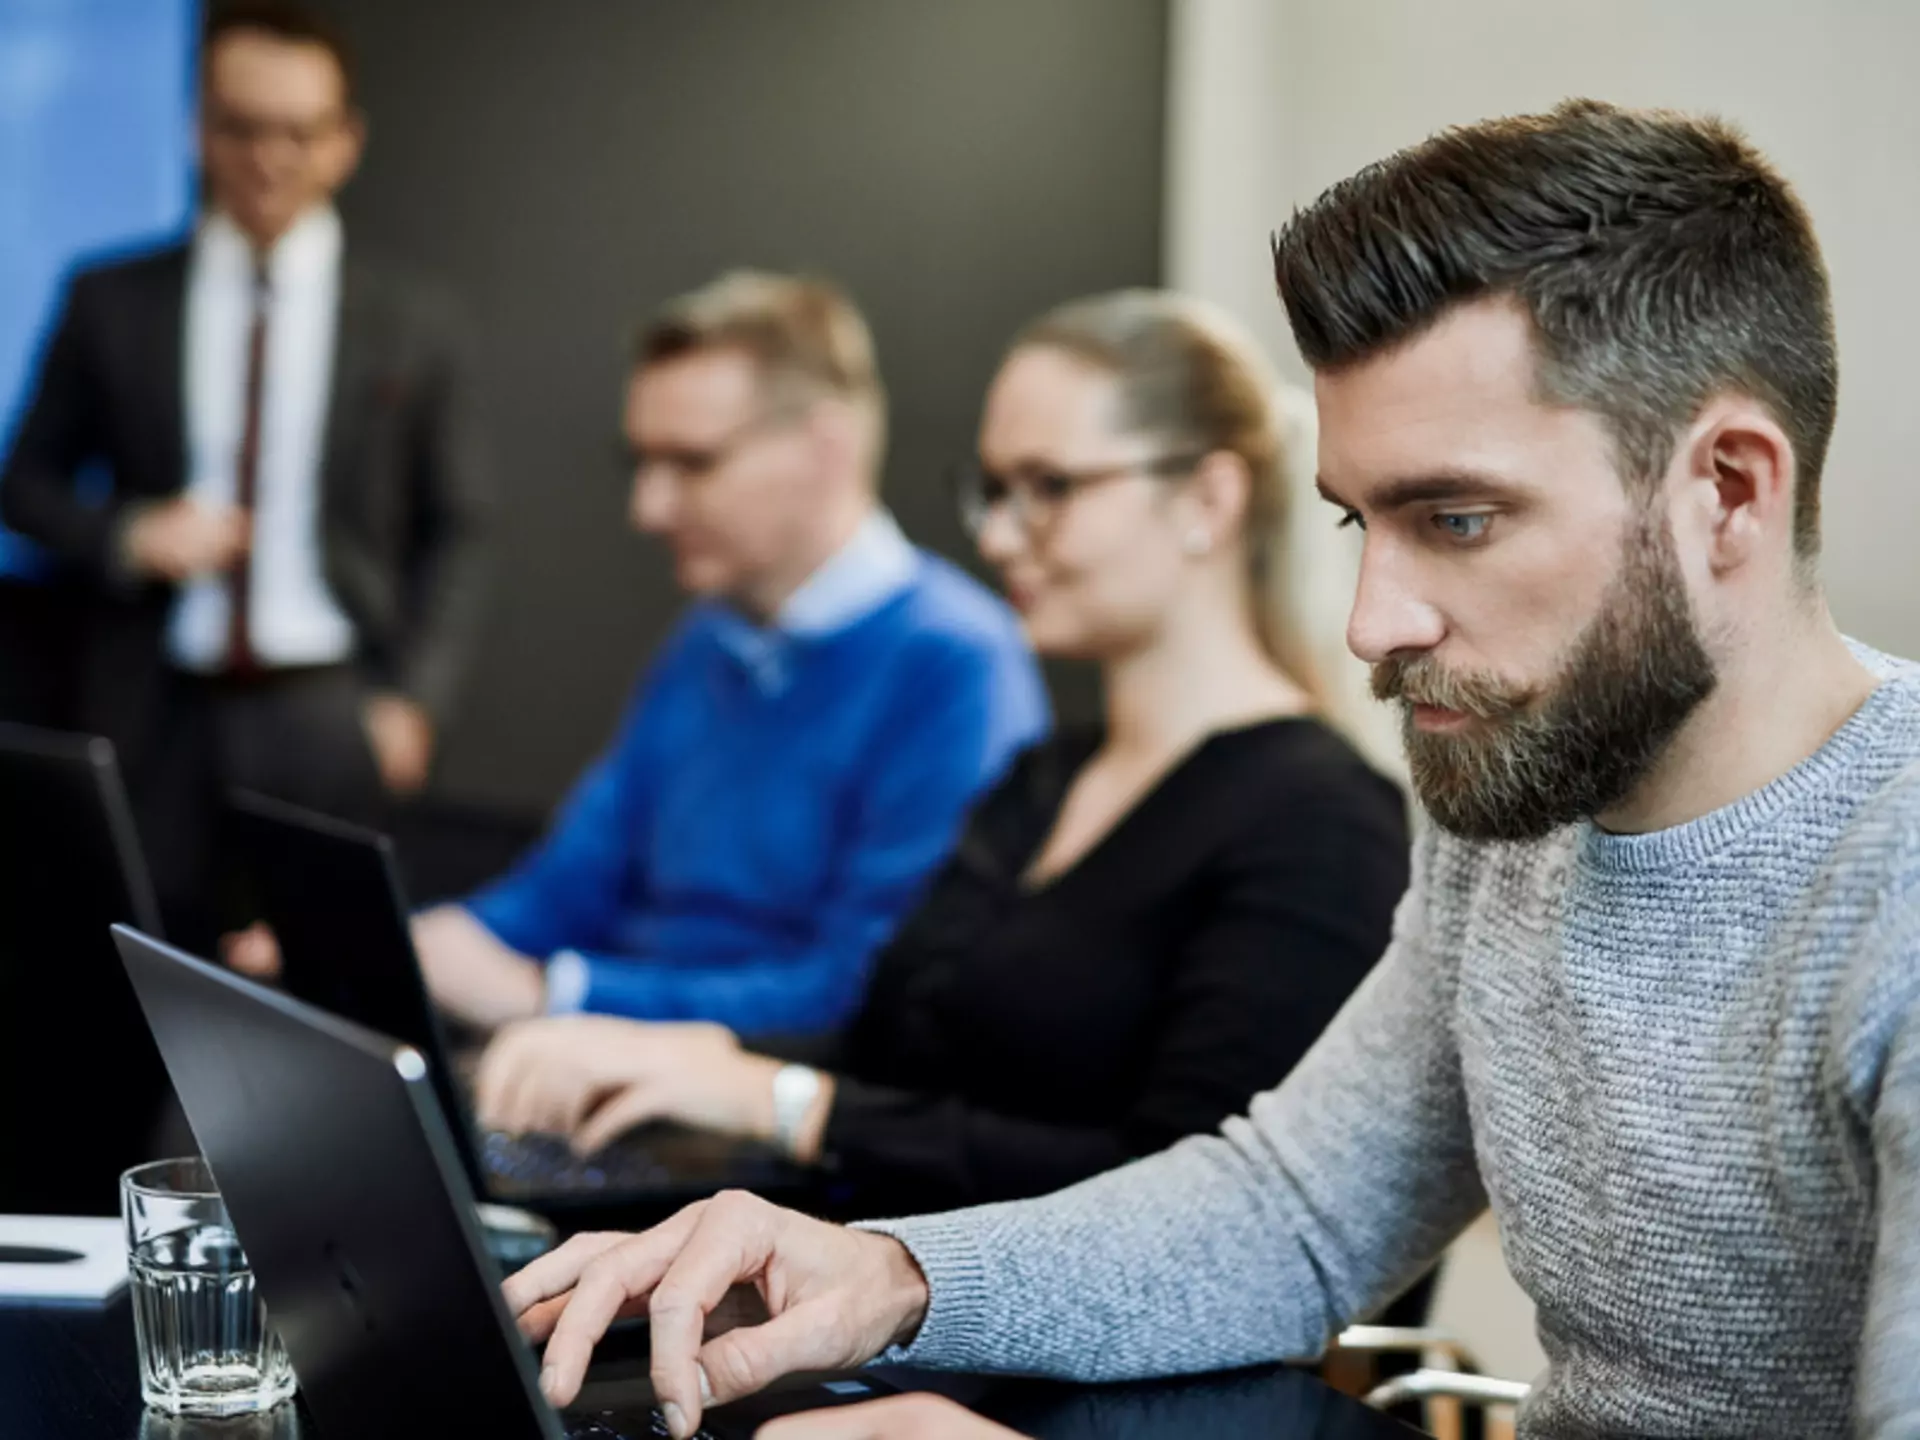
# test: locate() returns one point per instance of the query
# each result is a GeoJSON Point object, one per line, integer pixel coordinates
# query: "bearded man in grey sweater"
{"type": "Point", "coordinates": [1652, 993]}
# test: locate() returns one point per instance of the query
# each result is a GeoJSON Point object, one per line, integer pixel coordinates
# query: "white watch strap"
{"type": "Point", "coordinates": [794, 1090]}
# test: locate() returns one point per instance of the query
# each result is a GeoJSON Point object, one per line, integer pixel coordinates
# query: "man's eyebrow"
{"type": "Point", "coordinates": [1452, 485]}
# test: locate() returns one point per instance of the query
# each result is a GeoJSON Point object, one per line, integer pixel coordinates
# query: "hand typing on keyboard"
{"type": "Point", "coordinates": [594, 1077]}
{"type": "Point", "coordinates": [835, 1298]}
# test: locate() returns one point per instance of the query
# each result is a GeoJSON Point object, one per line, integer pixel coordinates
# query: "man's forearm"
{"type": "Point", "coordinates": [1173, 1264]}
{"type": "Point", "coordinates": [1256, 1244]}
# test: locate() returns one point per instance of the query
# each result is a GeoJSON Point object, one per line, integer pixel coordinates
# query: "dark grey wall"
{"type": "Point", "coordinates": [564, 165]}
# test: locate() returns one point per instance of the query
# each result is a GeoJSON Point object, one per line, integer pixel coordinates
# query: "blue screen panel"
{"type": "Point", "coordinates": [96, 152]}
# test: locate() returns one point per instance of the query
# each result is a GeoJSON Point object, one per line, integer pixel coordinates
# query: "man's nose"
{"type": "Point", "coordinates": [1389, 616]}
{"type": "Point", "coordinates": [653, 504]}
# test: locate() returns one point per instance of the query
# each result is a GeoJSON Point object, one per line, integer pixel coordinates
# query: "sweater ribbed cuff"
{"type": "Point", "coordinates": [957, 1332]}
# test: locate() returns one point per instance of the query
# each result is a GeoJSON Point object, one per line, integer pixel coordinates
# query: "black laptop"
{"type": "Point", "coordinates": [332, 894]}
{"type": "Point", "coordinates": [346, 1189]}
{"type": "Point", "coordinates": [70, 866]}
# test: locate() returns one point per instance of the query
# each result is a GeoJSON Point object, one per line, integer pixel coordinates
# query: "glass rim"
{"type": "Point", "coordinates": [133, 1181]}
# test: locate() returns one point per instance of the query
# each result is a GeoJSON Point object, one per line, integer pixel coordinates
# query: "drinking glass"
{"type": "Point", "coordinates": [205, 1344]}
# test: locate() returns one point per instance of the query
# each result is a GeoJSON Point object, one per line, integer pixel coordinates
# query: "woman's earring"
{"type": "Point", "coordinates": [1199, 540]}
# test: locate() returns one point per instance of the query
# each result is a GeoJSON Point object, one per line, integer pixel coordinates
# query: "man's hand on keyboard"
{"type": "Point", "coordinates": [835, 1298]}
{"type": "Point", "coordinates": [901, 1417]}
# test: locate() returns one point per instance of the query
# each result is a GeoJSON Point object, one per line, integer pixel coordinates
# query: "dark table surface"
{"type": "Point", "coordinates": [68, 1374]}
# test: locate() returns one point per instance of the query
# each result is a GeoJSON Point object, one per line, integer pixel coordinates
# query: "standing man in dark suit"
{"type": "Point", "coordinates": [284, 575]}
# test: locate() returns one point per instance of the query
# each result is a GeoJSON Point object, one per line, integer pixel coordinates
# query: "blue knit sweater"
{"type": "Point", "coordinates": [771, 806]}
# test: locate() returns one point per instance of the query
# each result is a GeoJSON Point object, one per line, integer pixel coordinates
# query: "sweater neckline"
{"type": "Point", "coordinates": [1701, 839]}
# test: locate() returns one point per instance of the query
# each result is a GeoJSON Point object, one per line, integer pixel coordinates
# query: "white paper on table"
{"type": "Point", "coordinates": [98, 1275]}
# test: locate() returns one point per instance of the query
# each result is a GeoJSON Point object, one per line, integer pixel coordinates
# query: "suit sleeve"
{"type": "Point", "coordinates": [451, 503]}
{"type": "Point", "coordinates": [59, 432]}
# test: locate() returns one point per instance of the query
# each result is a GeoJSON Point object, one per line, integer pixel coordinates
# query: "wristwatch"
{"type": "Point", "coordinates": [794, 1090]}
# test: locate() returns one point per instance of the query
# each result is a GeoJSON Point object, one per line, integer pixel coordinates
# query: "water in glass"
{"type": "Point", "coordinates": [206, 1347]}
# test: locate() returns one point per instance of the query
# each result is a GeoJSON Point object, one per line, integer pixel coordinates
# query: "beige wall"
{"type": "Point", "coordinates": [1271, 100]}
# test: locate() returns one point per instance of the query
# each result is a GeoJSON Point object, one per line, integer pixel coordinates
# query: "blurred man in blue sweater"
{"type": "Point", "coordinates": [799, 755]}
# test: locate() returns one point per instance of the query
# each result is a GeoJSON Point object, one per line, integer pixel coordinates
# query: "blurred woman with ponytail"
{"type": "Point", "coordinates": [1152, 918]}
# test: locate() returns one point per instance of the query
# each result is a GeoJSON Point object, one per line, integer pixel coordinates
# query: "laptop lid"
{"type": "Point", "coordinates": [340, 1173]}
{"type": "Point", "coordinates": [70, 866]}
{"type": "Point", "coordinates": [66, 829]}
{"type": "Point", "coordinates": [332, 893]}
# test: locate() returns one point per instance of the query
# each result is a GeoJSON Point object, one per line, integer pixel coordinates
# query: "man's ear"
{"type": "Point", "coordinates": [835, 427]}
{"type": "Point", "coordinates": [1738, 483]}
{"type": "Point", "coordinates": [352, 143]}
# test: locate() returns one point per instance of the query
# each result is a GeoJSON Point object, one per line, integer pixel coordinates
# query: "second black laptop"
{"type": "Point", "coordinates": [332, 894]}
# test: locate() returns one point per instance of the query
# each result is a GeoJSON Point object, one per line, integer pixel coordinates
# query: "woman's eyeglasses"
{"type": "Point", "coordinates": [1036, 495]}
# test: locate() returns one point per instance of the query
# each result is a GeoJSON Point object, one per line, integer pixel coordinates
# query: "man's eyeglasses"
{"type": "Point", "coordinates": [237, 129]}
{"type": "Point", "coordinates": [1036, 495]}
{"type": "Point", "coordinates": [687, 464]}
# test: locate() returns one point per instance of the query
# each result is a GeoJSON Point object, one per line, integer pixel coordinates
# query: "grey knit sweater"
{"type": "Point", "coordinates": [1684, 1069]}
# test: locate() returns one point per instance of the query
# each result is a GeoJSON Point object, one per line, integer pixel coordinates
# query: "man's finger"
{"type": "Point", "coordinates": [489, 1078]}
{"type": "Point", "coordinates": [510, 1075]}
{"type": "Point", "coordinates": [632, 1106]}
{"type": "Point", "coordinates": [556, 1272]}
{"type": "Point", "coordinates": [730, 1243]}
{"type": "Point", "coordinates": [616, 1284]}
{"type": "Point", "coordinates": [520, 1098]}
{"type": "Point", "coordinates": [571, 1098]}
{"type": "Point", "coordinates": [537, 1321]}
{"type": "Point", "coordinates": [745, 1361]}
{"type": "Point", "coordinates": [520, 1108]}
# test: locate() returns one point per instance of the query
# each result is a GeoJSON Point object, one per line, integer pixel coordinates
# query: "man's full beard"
{"type": "Point", "coordinates": [1535, 760]}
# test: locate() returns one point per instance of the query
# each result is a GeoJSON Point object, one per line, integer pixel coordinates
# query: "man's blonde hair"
{"type": "Point", "coordinates": [805, 336]}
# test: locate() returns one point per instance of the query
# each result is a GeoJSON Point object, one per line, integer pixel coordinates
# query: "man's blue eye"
{"type": "Point", "coordinates": [1463, 527]}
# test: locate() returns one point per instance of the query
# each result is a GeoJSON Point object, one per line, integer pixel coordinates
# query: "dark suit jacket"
{"type": "Point", "coordinates": [402, 498]}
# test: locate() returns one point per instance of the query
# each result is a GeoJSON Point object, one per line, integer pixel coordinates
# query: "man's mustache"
{"type": "Point", "coordinates": [1422, 680]}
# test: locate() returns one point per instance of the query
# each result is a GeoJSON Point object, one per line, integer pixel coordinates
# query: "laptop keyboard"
{"type": "Point", "coordinates": [548, 1162]}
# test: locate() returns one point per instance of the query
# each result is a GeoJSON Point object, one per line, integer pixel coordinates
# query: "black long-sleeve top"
{"type": "Point", "coordinates": [1016, 1039]}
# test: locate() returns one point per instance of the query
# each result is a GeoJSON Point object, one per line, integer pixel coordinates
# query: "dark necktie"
{"type": "Point", "coordinates": [240, 656]}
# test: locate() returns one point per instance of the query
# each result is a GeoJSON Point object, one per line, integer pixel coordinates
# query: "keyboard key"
{"type": "Point", "coordinates": [548, 1161]}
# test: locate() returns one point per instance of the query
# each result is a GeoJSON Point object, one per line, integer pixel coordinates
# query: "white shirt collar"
{"type": "Point", "coordinates": [864, 574]}
{"type": "Point", "coordinates": [875, 565]}
{"type": "Point", "coordinates": [309, 250]}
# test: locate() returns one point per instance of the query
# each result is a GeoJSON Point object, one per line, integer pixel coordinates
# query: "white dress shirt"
{"type": "Point", "coordinates": [294, 618]}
